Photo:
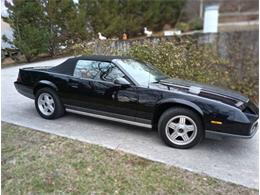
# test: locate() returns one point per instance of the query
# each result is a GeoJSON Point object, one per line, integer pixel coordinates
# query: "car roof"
{"type": "Point", "coordinates": [100, 58]}
{"type": "Point", "coordinates": [68, 66]}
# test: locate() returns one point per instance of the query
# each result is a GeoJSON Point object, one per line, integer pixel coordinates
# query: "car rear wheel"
{"type": "Point", "coordinates": [48, 104]}
{"type": "Point", "coordinates": [180, 128]}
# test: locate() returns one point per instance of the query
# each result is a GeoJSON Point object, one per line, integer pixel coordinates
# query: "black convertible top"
{"type": "Point", "coordinates": [101, 58]}
{"type": "Point", "coordinates": [68, 66]}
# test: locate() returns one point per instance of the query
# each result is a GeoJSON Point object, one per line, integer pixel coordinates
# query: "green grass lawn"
{"type": "Point", "coordinates": [34, 162]}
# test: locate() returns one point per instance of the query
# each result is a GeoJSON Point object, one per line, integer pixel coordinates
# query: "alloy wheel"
{"type": "Point", "coordinates": [181, 130]}
{"type": "Point", "coordinates": [46, 104]}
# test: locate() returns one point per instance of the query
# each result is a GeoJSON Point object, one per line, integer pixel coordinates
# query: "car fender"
{"type": "Point", "coordinates": [45, 83]}
{"type": "Point", "coordinates": [180, 102]}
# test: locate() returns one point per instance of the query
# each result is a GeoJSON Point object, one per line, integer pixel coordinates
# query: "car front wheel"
{"type": "Point", "coordinates": [48, 104]}
{"type": "Point", "coordinates": [180, 128]}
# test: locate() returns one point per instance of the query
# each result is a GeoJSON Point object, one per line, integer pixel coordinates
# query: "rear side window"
{"type": "Point", "coordinates": [86, 69]}
{"type": "Point", "coordinates": [104, 71]}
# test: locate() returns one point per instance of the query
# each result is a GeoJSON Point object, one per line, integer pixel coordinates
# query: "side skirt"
{"type": "Point", "coordinates": [97, 114]}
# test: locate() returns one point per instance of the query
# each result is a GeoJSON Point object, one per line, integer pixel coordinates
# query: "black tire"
{"type": "Point", "coordinates": [58, 106]}
{"type": "Point", "coordinates": [176, 112]}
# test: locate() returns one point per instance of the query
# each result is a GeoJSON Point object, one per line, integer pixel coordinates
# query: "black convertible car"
{"type": "Point", "coordinates": [125, 90]}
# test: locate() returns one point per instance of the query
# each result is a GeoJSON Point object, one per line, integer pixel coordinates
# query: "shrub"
{"type": "Point", "coordinates": [181, 59]}
{"type": "Point", "coordinates": [187, 60]}
{"type": "Point", "coordinates": [184, 27]}
{"type": "Point", "coordinates": [80, 49]}
{"type": "Point", "coordinates": [196, 24]}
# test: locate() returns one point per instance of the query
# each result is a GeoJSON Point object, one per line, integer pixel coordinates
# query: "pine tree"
{"type": "Point", "coordinates": [114, 17]}
{"type": "Point", "coordinates": [63, 23]}
{"type": "Point", "coordinates": [28, 22]}
{"type": "Point", "coordinates": [48, 25]}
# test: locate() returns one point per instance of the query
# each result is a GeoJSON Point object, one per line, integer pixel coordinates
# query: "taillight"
{"type": "Point", "coordinates": [19, 78]}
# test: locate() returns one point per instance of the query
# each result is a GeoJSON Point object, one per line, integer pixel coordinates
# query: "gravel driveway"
{"type": "Point", "coordinates": [234, 160]}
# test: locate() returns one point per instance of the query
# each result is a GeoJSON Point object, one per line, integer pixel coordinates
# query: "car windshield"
{"type": "Point", "coordinates": [142, 73]}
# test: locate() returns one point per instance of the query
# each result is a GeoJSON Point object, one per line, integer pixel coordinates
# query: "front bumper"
{"type": "Point", "coordinates": [252, 132]}
{"type": "Point", "coordinates": [237, 122]}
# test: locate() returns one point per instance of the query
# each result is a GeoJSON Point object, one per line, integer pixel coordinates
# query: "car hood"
{"type": "Point", "coordinates": [208, 91]}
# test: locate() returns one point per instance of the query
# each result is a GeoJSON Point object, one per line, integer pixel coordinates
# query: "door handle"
{"type": "Point", "coordinates": [73, 84]}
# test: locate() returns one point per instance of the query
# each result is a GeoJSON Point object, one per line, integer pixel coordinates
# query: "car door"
{"type": "Point", "coordinates": [115, 99]}
{"type": "Point", "coordinates": [80, 87]}
{"type": "Point", "coordinates": [94, 90]}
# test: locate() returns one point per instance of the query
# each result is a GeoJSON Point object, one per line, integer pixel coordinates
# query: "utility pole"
{"type": "Point", "coordinates": [201, 9]}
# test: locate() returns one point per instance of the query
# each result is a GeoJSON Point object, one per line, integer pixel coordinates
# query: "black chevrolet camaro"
{"type": "Point", "coordinates": [128, 91]}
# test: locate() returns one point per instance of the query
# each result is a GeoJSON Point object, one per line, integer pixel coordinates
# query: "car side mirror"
{"type": "Point", "coordinates": [121, 81]}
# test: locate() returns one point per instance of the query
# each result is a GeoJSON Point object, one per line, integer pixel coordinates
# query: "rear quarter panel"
{"type": "Point", "coordinates": [34, 79]}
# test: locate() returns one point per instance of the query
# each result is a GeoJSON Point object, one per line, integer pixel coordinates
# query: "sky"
{"type": "Point", "coordinates": [3, 8]}
{"type": "Point", "coordinates": [5, 28]}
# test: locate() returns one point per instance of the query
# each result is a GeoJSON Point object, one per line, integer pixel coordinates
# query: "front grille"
{"type": "Point", "coordinates": [251, 108]}
{"type": "Point", "coordinates": [254, 127]}
{"type": "Point", "coordinates": [248, 110]}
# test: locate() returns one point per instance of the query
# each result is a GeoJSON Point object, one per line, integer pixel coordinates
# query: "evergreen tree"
{"type": "Point", "coordinates": [27, 20]}
{"type": "Point", "coordinates": [63, 23]}
{"type": "Point", "coordinates": [49, 25]}
{"type": "Point", "coordinates": [114, 17]}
